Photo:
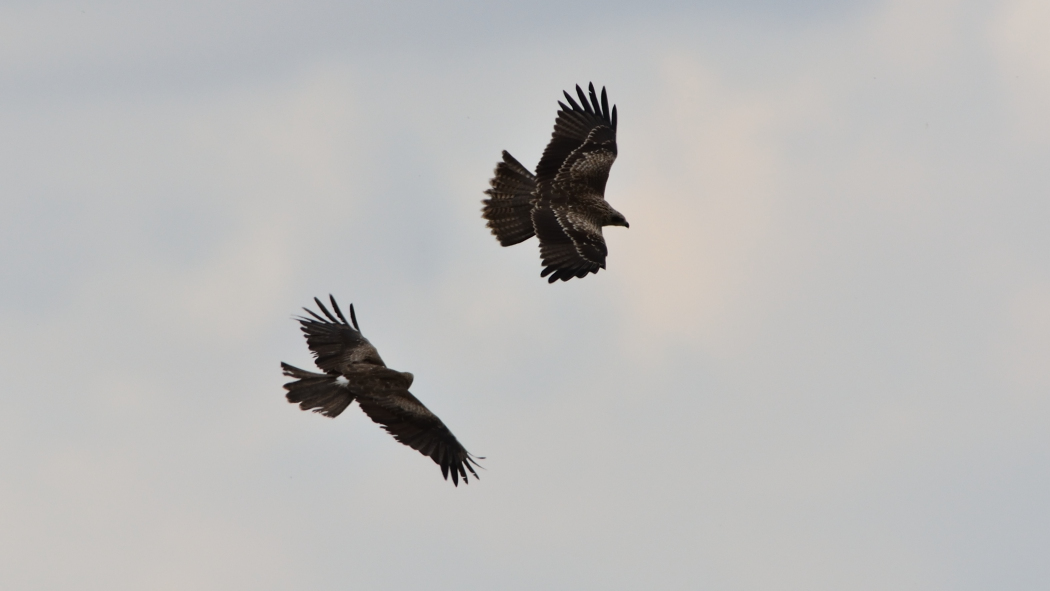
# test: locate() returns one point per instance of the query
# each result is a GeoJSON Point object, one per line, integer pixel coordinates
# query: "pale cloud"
{"type": "Point", "coordinates": [916, 37]}
{"type": "Point", "coordinates": [818, 340]}
{"type": "Point", "coordinates": [1025, 344]}
{"type": "Point", "coordinates": [1017, 35]}
{"type": "Point", "coordinates": [699, 192]}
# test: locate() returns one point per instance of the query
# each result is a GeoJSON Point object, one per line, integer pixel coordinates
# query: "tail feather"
{"type": "Point", "coordinates": [317, 391]}
{"type": "Point", "coordinates": [509, 208]}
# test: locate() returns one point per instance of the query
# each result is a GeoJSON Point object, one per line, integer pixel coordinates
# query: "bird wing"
{"type": "Point", "coordinates": [571, 241]}
{"type": "Point", "coordinates": [335, 344]}
{"type": "Point", "coordinates": [402, 415]}
{"type": "Point", "coordinates": [583, 145]}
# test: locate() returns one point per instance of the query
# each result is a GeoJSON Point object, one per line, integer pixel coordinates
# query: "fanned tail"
{"type": "Point", "coordinates": [509, 207]}
{"type": "Point", "coordinates": [318, 392]}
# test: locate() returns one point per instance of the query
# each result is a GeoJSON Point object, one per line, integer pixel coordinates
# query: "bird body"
{"type": "Point", "coordinates": [563, 204]}
{"type": "Point", "coordinates": [353, 370]}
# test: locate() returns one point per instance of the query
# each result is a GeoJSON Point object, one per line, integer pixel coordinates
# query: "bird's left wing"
{"type": "Point", "coordinates": [333, 341]}
{"type": "Point", "coordinates": [583, 145]}
{"type": "Point", "coordinates": [402, 415]}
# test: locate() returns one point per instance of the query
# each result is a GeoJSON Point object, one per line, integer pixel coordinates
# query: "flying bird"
{"type": "Point", "coordinates": [563, 204]}
{"type": "Point", "coordinates": [353, 370]}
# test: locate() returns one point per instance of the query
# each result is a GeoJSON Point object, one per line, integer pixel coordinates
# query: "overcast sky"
{"type": "Point", "coordinates": [818, 359]}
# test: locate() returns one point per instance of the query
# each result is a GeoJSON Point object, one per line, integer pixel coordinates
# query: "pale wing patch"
{"type": "Point", "coordinates": [592, 166]}
{"type": "Point", "coordinates": [585, 231]}
{"type": "Point", "coordinates": [580, 222]}
{"type": "Point", "coordinates": [588, 163]}
{"type": "Point", "coordinates": [410, 404]}
{"type": "Point", "coordinates": [365, 353]}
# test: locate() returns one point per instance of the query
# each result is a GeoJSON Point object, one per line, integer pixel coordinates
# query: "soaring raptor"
{"type": "Point", "coordinates": [563, 204]}
{"type": "Point", "coordinates": [353, 370]}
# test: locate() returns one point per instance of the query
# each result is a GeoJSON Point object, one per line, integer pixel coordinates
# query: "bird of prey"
{"type": "Point", "coordinates": [353, 370]}
{"type": "Point", "coordinates": [563, 204]}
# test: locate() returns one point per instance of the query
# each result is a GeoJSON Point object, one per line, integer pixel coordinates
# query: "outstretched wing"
{"type": "Point", "coordinates": [571, 242]}
{"type": "Point", "coordinates": [334, 343]}
{"type": "Point", "coordinates": [402, 415]}
{"type": "Point", "coordinates": [583, 146]}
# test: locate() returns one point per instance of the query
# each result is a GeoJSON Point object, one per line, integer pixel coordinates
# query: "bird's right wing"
{"type": "Point", "coordinates": [334, 342]}
{"type": "Point", "coordinates": [402, 415]}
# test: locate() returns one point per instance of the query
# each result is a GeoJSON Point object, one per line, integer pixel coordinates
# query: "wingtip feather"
{"type": "Point", "coordinates": [572, 102]}
{"type": "Point", "coordinates": [320, 304]}
{"type": "Point", "coordinates": [583, 99]}
{"type": "Point", "coordinates": [353, 318]}
{"type": "Point", "coordinates": [337, 310]}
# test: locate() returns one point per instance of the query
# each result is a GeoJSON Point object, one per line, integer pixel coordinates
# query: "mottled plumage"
{"type": "Point", "coordinates": [563, 204]}
{"type": "Point", "coordinates": [353, 370]}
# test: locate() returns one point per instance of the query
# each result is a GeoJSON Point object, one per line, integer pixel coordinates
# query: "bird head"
{"type": "Point", "coordinates": [617, 219]}
{"type": "Point", "coordinates": [408, 378]}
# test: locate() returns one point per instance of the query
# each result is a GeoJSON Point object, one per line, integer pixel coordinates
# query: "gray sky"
{"type": "Point", "coordinates": [817, 360]}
